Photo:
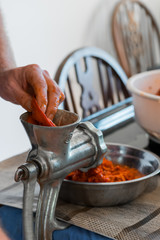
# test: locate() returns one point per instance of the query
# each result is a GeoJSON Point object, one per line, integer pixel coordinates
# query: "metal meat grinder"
{"type": "Point", "coordinates": [56, 151]}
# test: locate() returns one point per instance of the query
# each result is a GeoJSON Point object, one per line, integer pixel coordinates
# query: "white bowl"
{"type": "Point", "coordinates": [143, 87]}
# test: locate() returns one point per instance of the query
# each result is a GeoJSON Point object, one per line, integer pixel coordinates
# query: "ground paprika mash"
{"type": "Point", "coordinates": [106, 172]}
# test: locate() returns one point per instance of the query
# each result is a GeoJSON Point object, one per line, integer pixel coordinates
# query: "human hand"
{"type": "Point", "coordinates": [3, 236]}
{"type": "Point", "coordinates": [19, 85]}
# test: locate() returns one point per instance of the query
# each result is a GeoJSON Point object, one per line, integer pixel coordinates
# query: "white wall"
{"type": "Point", "coordinates": [44, 32]}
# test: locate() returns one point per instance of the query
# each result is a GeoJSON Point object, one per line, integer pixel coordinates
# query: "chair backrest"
{"type": "Point", "coordinates": [91, 80]}
{"type": "Point", "coordinates": [136, 36]}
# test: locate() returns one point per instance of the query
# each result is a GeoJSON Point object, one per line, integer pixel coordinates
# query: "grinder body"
{"type": "Point", "coordinates": [56, 151]}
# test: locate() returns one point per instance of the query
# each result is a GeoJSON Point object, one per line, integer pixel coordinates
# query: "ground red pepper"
{"type": "Point", "coordinates": [106, 172]}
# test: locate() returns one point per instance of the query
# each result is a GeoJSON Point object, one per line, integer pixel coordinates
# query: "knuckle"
{"type": "Point", "coordinates": [35, 67]}
{"type": "Point", "coordinates": [46, 73]}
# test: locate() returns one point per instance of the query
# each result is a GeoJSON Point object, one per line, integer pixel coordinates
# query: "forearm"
{"type": "Point", "coordinates": [6, 55]}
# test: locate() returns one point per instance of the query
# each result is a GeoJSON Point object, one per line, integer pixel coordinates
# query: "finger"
{"type": "Point", "coordinates": [37, 80]}
{"type": "Point", "coordinates": [62, 97]}
{"type": "Point", "coordinates": [55, 96]}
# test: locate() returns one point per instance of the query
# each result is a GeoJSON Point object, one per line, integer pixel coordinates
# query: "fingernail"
{"type": "Point", "coordinates": [43, 107]}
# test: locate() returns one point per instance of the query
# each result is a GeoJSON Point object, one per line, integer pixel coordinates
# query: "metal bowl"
{"type": "Point", "coordinates": [110, 194]}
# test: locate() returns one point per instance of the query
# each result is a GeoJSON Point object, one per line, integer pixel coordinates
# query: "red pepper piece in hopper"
{"type": "Point", "coordinates": [39, 116]}
{"type": "Point", "coordinates": [31, 120]}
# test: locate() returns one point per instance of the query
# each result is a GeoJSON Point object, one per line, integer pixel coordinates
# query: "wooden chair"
{"type": "Point", "coordinates": [136, 36]}
{"type": "Point", "coordinates": [91, 80]}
